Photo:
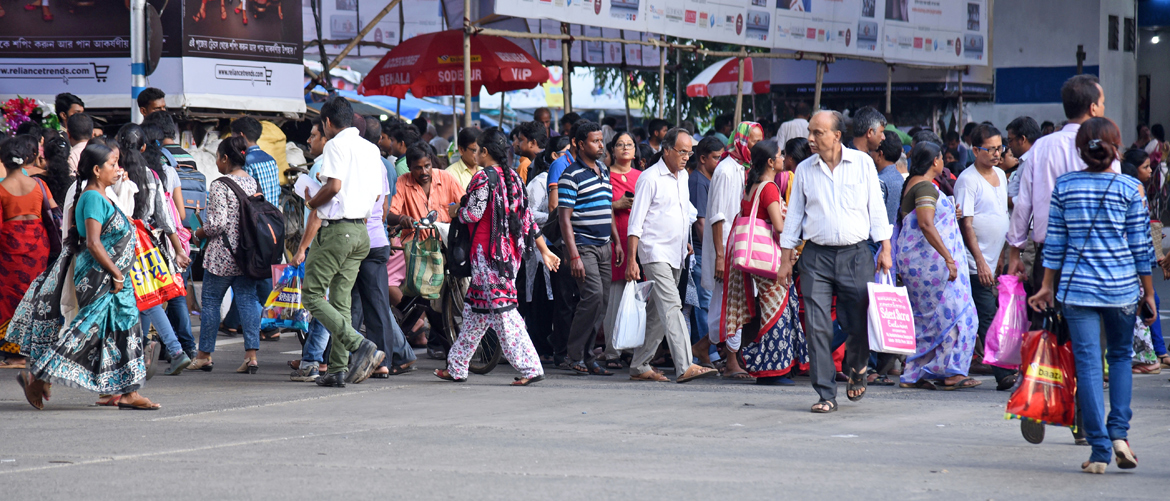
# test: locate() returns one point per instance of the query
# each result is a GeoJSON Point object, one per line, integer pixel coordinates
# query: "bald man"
{"type": "Point", "coordinates": [836, 205]}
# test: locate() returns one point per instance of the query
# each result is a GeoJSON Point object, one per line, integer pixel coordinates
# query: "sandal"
{"type": "Point", "coordinates": [203, 364]}
{"type": "Point", "coordinates": [445, 374]}
{"type": "Point", "coordinates": [270, 336]}
{"type": "Point", "coordinates": [921, 384]}
{"type": "Point", "coordinates": [1154, 368]}
{"type": "Point", "coordinates": [143, 404]}
{"type": "Point", "coordinates": [525, 382]}
{"type": "Point", "coordinates": [595, 369]}
{"type": "Point", "coordinates": [110, 400]}
{"type": "Point", "coordinates": [742, 376]}
{"type": "Point", "coordinates": [615, 364]}
{"type": "Point", "coordinates": [962, 384]}
{"type": "Point", "coordinates": [30, 390]}
{"type": "Point", "coordinates": [1164, 361]}
{"type": "Point", "coordinates": [649, 376]}
{"type": "Point", "coordinates": [695, 372]}
{"type": "Point", "coordinates": [402, 369]}
{"type": "Point", "coordinates": [579, 367]}
{"type": "Point", "coordinates": [824, 407]}
{"type": "Point", "coordinates": [9, 364]}
{"type": "Point", "coordinates": [857, 381]}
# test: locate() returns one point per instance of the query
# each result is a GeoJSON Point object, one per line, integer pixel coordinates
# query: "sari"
{"type": "Point", "coordinates": [100, 349]}
{"type": "Point", "coordinates": [945, 321]}
{"type": "Point", "coordinates": [24, 254]}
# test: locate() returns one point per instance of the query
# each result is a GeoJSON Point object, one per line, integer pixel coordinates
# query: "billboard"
{"type": "Point", "coordinates": [344, 19]}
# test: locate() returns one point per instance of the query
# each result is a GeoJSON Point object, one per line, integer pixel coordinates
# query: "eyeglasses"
{"type": "Point", "coordinates": [682, 153]}
{"type": "Point", "coordinates": [994, 150]}
{"type": "Point", "coordinates": [624, 146]}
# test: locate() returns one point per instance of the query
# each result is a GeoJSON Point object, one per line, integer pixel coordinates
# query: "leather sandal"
{"type": "Point", "coordinates": [649, 376]}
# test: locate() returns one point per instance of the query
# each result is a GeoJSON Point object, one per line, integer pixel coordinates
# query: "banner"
{"type": "Point", "coordinates": [342, 20]}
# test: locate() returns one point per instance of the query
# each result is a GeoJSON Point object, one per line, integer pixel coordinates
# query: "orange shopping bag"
{"type": "Point", "coordinates": [154, 284]}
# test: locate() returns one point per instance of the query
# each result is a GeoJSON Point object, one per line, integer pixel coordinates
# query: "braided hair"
{"type": "Point", "coordinates": [95, 154]}
{"type": "Point", "coordinates": [131, 139]}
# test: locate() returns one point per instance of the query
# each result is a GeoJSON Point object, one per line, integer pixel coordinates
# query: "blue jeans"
{"type": "Point", "coordinates": [263, 289]}
{"type": "Point", "coordinates": [157, 317]}
{"type": "Point", "coordinates": [1156, 330]}
{"type": "Point", "coordinates": [698, 316]}
{"type": "Point", "coordinates": [1084, 325]}
{"type": "Point", "coordinates": [244, 289]}
{"type": "Point", "coordinates": [180, 317]}
{"type": "Point", "coordinates": [316, 341]}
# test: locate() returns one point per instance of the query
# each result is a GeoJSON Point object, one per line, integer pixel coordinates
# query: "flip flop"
{"type": "Point", "coordinates": [443, 374]}
{"type": "Point", "coordinates": [684, 378]}
{"type": "Point", "coordinates": [521, 382]}
{"type": "Point", "coordinates": [921, 384]}
{"type": "Point", "coordinates": [650, 376]}
{"type": "Point", "coordinates": [741, 376]}
{"type": "Point", "coordinates": [33, 400]}
{"type": "Point", "coordinates": [398, 370]}
{"type": "Point", "coordinates": [8, 364]}
{"type": "Point", "coordinates": [962, 384]}
{"type": "Point", "coordinates": [150, 406]}
{"type": "Point", "coordinates": [112, 402]}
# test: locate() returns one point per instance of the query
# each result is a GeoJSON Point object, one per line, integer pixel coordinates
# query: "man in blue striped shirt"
{"type": "Point", "coordinates": [257, 163]}
{"type": "Point", "coordinates": [585, 216]}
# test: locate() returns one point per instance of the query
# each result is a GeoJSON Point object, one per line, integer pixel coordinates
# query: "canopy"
{"type": "Point", "coordinates": [432, 65]}
{"type": "Point", "coordinates": [722, 78]}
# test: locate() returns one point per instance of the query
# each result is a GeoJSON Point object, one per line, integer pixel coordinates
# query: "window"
{"type": "Point", "coordinates": [1130, 34]}
{"type": "Point", "coordinates": [1114, 32]}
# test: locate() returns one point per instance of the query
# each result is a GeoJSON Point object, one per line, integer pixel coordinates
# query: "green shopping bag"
{"type": "Point", "coordinates": [424, 266]}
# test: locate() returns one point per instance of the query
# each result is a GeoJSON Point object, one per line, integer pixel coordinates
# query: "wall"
{"type": "Point", "coordinates": [1152, 61]}
{"type": "Point", "coordinates": [1119, 71]}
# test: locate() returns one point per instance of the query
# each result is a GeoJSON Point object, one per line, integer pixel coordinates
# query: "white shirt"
{"type": "Point", "coordinates": [659, 215]}
{"type": "Point", "coordinates": [797, 127]}
{"type": "Point", "coordinates": [355, 162]}
{"type": "Point", "coordinates": [1013, 187]}
{"type": "Point", "coordinates": [987, 205]}
{"type": "Point", "coordinates": [837, 207]}
{"type": "Point", "coordinates": [538, 198]}
{"type": "Point", "coordinates": [722, 205]}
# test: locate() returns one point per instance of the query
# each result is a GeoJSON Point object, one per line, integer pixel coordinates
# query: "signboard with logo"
{"type": "Point", "coordinates": [341, 21]}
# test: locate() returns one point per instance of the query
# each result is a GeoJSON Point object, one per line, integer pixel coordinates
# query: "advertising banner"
{"type": "Point", "coordinates": [949, 32]}
{"type": "Point", "coordinates": [837, 27]}
{"type": "Point", "coordinates": [342, 20]}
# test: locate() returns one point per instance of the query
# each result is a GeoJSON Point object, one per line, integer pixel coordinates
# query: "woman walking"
{"type": "Point", "coordinates": [24, 244]}
{"type": "Point", "coordinates": [220, 270]}
{"type": "Point", "coordinates": [502, 232]}
{"type": "Point", "coordinates": [929, 255]}
{"type": "Point", "coordinates": [1099, 246]}
{"type": "Point", "coordinates": [771, 350]}
{"type": "Point", "coordinates": [623, 175]}
{"type": "Point", "coordinates": [101, 348]}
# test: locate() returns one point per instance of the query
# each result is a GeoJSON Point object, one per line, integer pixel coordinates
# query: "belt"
{"type": "Point", "coordinates": [838, 247]}
{"type": "Point", "coordinates": [327, 222]}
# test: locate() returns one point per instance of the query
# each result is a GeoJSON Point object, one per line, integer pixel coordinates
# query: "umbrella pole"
{"type": "Point", "coordinates": [959, 123]}
{"type": "Point", "coordinates": [626, 98]}
{"type": "Point", "coordinates": [739, 91]}
{"type": "Point", "coordinates": [889, 89]}
{"type": "Point", "coordinates": [820, 80]}
{"type": "Point", "coordinates": [566, 86]}
{"type": "Point", "coordinates": [502, 109]}
{"type": "Point", "coordinates": [466, 62]}
{"type": "Point", "coordinates": [678, 95]}
{"type": "Point", "coordinates": [661, 82]}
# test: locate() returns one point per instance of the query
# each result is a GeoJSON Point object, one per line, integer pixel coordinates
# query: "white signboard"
{"type": "Point", "coordinates": [342, 20]}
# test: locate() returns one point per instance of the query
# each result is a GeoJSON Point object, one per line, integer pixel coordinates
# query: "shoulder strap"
{"type": "Point", "coordinates": [1081, 251]}
{"type": "Point", "coordinates": [784, 185]}
{"type": "Point", "coordinates": [44, 194]}
{"type": "Point", "coordinates": [170, 158]}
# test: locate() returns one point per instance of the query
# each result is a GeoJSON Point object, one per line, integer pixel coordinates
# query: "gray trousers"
{"type": "Point", "coordinates": [590, 315]}
{"type": "Point", "coordinates": [617, 289]}
{"type": "Point", "coordinates": [664, 318]}
{"type": "Point", "coordinates": [843, 272]}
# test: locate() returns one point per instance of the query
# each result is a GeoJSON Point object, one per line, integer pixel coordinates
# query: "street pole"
{"type": "Point", "coordinates": [889, 89]}
{"type": "Point", "coordinates": [820, 80]}
{"type": "Point", "coordinates": [959, 120]}
{"type": "Point", "coordinates": [739, 89]}
{"type": "Point", "coordinates": [626, 98]}
{"type": "Point", "coordinates": [466, 63]}
{"type": "Point", "coordinates": [566, 86]}
{"type": "Point", "coordinates": [137, 56]}
{"type": "Point", "coordinates": [678, 95]}
{"type": "Point", "coordinates": [661, 83]}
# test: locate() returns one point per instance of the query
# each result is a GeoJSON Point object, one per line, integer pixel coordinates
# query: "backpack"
{"type": "Point", "coordinates": [194, 186]}
{"type": "Point", "coordinates": [261, 234]}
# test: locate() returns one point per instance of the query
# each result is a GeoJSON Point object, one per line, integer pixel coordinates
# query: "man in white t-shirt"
{"type": "Point", "coordinates": [981, 192]}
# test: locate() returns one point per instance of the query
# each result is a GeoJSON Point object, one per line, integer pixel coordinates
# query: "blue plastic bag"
{"type": "Point", "coordinates": [283, 309]}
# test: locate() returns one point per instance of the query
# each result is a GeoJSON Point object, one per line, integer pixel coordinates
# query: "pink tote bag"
{"type": "Point", "coordinates": [753, 242]}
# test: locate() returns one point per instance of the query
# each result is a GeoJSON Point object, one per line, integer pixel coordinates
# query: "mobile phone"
{"type": "Point", "coordinates": [629, 194]}
{"type": "Point", "coordinates": [1145, 311]}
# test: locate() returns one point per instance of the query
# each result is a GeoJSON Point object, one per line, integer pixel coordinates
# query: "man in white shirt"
{"type": "Point", "coordinates": [658, 232]}
{"type": "Point", "coordinates": [797, 127]}
{"type": "Point", "coordinates": [981, 193]}
{"type": "Point", "coordinates": [343, 203]}
{"type": "Point", "coordinates": [836, 203]}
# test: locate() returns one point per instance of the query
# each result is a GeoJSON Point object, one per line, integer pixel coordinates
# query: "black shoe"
{"type": "Point", "coordinates": [364, 361]}
{"type": "Point", "coordinates": [1033, 432]}
{"type": "Point", "coordinates": [333, 380]}
{"type": "Point", "coordinates": [1008, 382]}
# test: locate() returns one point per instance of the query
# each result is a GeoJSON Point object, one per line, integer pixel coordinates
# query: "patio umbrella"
{"type": "Point", "coordinates": [432, 65]}
{"type": "Point", "coordinates": [721, 78]}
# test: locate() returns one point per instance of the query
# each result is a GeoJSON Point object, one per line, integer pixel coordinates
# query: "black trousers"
{"type": "Point", "coordinates": [371, 306]}
{"type": "Point", "coordinates": [565, 298]}
{"type": "Point", "coordinates": [842, 271]}
{"type": "Point", "coordinates": [538, 313]}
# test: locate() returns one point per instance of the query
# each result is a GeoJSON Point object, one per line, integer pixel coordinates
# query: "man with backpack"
{"type": "Point", "coordinates": [344, 201]}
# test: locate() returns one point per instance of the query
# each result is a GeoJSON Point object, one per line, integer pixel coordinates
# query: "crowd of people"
{"type": "Point", "coordinates": [562, 219]}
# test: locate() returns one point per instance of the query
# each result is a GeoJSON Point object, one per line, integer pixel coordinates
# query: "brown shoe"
{"type": "Point", "coordinates": [650, 376]}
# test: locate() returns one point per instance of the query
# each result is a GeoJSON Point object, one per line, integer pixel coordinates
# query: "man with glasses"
{"type": "Point", "coordinates": [981, 193]}
{"type": "Point", "coordinates": [658, 233]}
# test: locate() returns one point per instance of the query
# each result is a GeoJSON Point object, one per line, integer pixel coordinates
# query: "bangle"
{"type": "Point", "coordinates": [574, 258]}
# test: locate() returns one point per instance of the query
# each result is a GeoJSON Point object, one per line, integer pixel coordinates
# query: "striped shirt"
{"type": "Point", "coordinates": [1112, 249]}
{"type": "Point", "coordinates": [590, 197]}
{"type": "Point", "coordinates": [262, 166]}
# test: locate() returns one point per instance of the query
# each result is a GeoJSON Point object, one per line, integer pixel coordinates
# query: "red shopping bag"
{"type": "Point", "coordinates": [154, 283]}
{"type": "Point", "coordinates": [1048, 393]}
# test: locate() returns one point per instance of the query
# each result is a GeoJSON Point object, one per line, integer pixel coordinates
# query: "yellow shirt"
{"type": "Point", "coordinates": [461, 173]}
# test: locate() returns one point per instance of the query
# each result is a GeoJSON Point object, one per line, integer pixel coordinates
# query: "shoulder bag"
{"type": "Point", "coordinates": [753, 245]}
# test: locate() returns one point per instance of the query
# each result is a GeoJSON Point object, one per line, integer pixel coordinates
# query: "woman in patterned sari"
{"type": "Point", "coordinates": [101, 349]}
{"type": "Point", "coordinates": [929, 254]}
{"type": "Point", "coordinates": [757, 304]}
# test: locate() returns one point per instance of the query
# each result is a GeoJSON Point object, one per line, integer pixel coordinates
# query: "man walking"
{"type": "Point", "coordinates": [836, 204]}
{"type": "Point", "coordinates": [585, 218]}
{"type": "Point", "coordinates": [797, 127]}
{"type": "Point", "coordinates": [347, 199]}
{"type": "Point", "coordinates": [258, 163]}
{"type": "Point", "coordinates": [658, 234]}
{"type": "Point", "coordinates": [869, 129]}
{"type": "Point", "coordinates": [981, 192]}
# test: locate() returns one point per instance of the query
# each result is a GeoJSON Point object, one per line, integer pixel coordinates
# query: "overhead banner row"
{"type": "Point", "coordinates": [942, 32]}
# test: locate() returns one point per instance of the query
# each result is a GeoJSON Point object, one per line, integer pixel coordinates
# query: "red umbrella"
{"type": "Point", "coordinates": [432, 65]}
{"type": "Point", "coordinates": [721, 78]}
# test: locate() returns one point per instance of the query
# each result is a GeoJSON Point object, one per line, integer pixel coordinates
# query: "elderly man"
{"type": "Point", "coordinates": [836, 204]}
{"type": "Point", "coordinates": [657, 233]}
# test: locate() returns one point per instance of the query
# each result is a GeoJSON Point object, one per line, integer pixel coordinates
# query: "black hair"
{"type": "Point", "coordinates": [495, 142]}
{"type": "Point", "coordinates": [1135, 156]}
{"type": "Point", "coordinates": [406, 134]}
{"type": "Point", "coordinates": [23, 147]}
{"type": "Point", "coordinates": [982, 133]}
{"type": "Point", "coordinates": [80, 126]}
{"type": "Point", "coordinates": [235, 148]}
{"type": "Point", "coordinates": [672, 135]}
{"type": "Point", "coordinates": [249, 127]}
{"type": "Point", "coordinates": [922, 157]}
{"type": "Point", "coordinates": [582, 129]}
{"type": "Point", "coordinates": [656, 125]}
{"type": "Point", "coordinates": [389, 125]}
{"type": "Point", "coordinates": [867, 119]}
{"type": "Point", "coordinates": [722, 121]}
{"type": "Point", "coordinates": [953, 136]}
{"type": "Point", "coordinates": [706, 146]}
{"type": "Point", "coordinates": [338, 112]}
{"type": "Point", "coordinates": [797, 149]}
{"type": "Point", "coordinates": [926, 135]}
{"type": "Point", "coordinates": [891, 147]}
{"type": "Point", "coordinates": [154, 150]}
{"type": "Point", "coordinates": [610, 121]}
{"type": "Point", "coordinates": [131, 138]}
{"type": "Point", "coordinates": [420, 123]}
{"type": "Point", "coordinates": [1045, 124]}
{"type": "Point", "coordinates": [761, 153]}
{"type": "Point", "coordinates": [65, 101]}
{"type": "Point", "coordinates": [468, 137]}
{"type": "Point", "coordinates": [544, 160]}
{"type": "Point", "coordinates": [612, 147]}
{"type": "Point", "coordinates": [150, 95]}
{"type": "Point", "coordinates": [803, 109]}
{"type": "Point", "coordinates": [95, 153]}
{"type": "Point", "coordinates": [1098, 140]}
{"type": "Point", "coordinates": [1078, 94]}
{"type": "Point", "coordinates": [535, 131]}
{"type": "Point", "coordinates": [1025, 127]}
{"type": "Point", "coordinates": [164, 121]}
{"type": "Point", "coordinates": [570, 118]}
{"type": "Point", "coordinates": [1158, 132]}
{"type": "Point", "coordinates": [29, 127]}
{"type": "Point", "coordinates": [639, 134]}
{"type": "Point", "coordinates": [967, 129]}
{"type": "Point", "coordinates": [415, 153]}
{"type": "Point", "coordinates": [57, 175]}
{"type": "Point", "coordinates": [372, 132]}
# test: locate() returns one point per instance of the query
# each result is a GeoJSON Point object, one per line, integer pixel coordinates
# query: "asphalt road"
{"type": "Point", "coordinates": [223, 435]}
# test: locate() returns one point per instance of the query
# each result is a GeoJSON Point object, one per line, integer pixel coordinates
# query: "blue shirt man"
{"type": "Point", "coordinates": [262, 167]}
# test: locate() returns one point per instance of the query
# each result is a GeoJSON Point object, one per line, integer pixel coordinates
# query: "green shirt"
{"type": "Point", "coordinates": [92, 205]}
{"type": "Point", "coordinates": [401, 166]}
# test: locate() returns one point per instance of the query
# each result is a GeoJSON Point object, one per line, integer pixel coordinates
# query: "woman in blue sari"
{"type": "Point", "coordinates": [929, 255]}
{"type": "Point", "coordinates": [101, 349]}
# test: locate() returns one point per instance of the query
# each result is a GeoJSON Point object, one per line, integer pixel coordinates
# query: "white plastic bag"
{"type": "Point", "coordinates": [629, 331]}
